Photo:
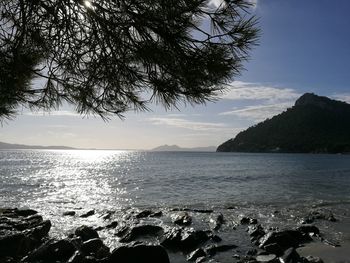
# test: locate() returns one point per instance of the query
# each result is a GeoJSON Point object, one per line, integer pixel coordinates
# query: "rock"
{"type": "Point", "coordinates": [11, 244]}
{"type": "Point", "coordinates": [312, 259]}
{"type": "Point", "coordinates": [145, 213]}
{"type": "Point", "coordinates": [307, 228]}
{"type": "Point", "coordinates": [25, 212]}
{"type": "Point", "coordinates": [266, 258]}
{"type": "Point", "coordinates": [256, 232]}
{"type": "Point", "coordinates": [285, 239]}
{"type": "Point", "coordinates": [274, 248]}
{"type": "Point", "coordinates": [69, 213]}
{"type": "Point", "coordinates": [140, 231]}
{"type": "Point", "coordinates": [179, 239]}
{"type": "Point", "coordinates": [52, 251]}
{"type": "Point", "coordinates": [156, 214]}
{"type": "Point", "coordinates": [77, 257]}
{"type": "Point", "coordinates": [121, 231]}
{"type": "Point", "coordinates": [96, 247]}
{"type": "Point", "coordinates": [215, 238]}
{"type": "Point", "coordinates": [290, 256]}
{"type": "Point", "coordinates": [139, 253]}
{"type": "Point", "coordinates": [194, 255]}
{"type": "Point", "coordinates": [193, 238]}
{"type": "Point", "coordinates": [248, 220]}
{"type": "Point", "coordinates": [201, 259]}
{"type": "Point", "coordinates": [40, 231]}
{"type": "Point", "coordinates": [213, 249]}
{"type": "Point", "coordinates": [322, 214]}
{"type": "Point", "coordinates": [113, 224]}
{"type": "Point", "coordinates": [86, 233]}
{"type": "Point", "coordinates": [217, 221]}
{"type": "Point", "coordinates": [182, 218]}
{"type": "Point", "coordinates": [172, 238]}
{"type": "Point", "coordinates": [88, 213]}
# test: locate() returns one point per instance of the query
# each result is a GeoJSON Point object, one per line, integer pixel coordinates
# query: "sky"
{"type": "Point", "coordinates": [304, 47]}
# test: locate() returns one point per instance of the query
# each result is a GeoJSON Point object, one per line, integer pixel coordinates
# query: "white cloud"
{"type": "Point", "coordinates": [342, 96]}
{"type": "Point", "coordinates": [258, 113]}
{"type": "Point", "coordinates": [238, 90]}
{"type": "Point", "coordinates": [187, 124]}
{"type": "Point", "coordinates": [53, 113]}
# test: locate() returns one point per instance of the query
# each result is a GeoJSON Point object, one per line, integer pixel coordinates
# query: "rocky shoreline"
{"type": "Point", "coordinates": [156, 236]}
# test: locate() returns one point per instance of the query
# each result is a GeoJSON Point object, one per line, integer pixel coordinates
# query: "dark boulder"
{"type": "Point", "coordinates": [95, 247]}
{"type": "Point", "coordinates": [285, 239]}
{"type": "Point", "coordinates": [25, 212]}
{"type": "Point", "coordinates": [306, 228]}
{"type": "Point", "coordinates": [182, 218]}
{"type": "Point", "coordinates": [139, 253]}
{"type": "Point", "coordinates": [86, 233]}
{"type": "Point", "coordinates": [290, 256]}
{"type": "Point", "coordinates": [52, 251]}
{"type": "Point", "coordinates": [198, 253]}
{"type": "Point", "coordinates": [141, 231]}
{"type": "Point", "coordinates": [39, 231]}
{"type": "Point", "coordinates": [88, 213]}
{"type": "Point", "coordinates": [69, 213]}
{"type": "Point", "coordinates": [217, 221]}
{"type": "Point", "coordinates": [248, 220]}
{"type": "Point", "coordinates": [11, 244]}
{"type": "Point", "coordinates": [186, 240]}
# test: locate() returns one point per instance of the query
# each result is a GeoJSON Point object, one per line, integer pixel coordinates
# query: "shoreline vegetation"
{"type": "Point", "coordinates": [315, 124]}
{"type": "Point", "coordinates": [25, 237]}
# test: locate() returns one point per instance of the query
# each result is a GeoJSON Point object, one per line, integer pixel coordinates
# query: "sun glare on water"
{"type": "Point", "coordinates": [87, 4]}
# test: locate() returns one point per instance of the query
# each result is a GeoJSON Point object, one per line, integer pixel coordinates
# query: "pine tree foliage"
{"type": "Point", "coordinates": [106, 57]}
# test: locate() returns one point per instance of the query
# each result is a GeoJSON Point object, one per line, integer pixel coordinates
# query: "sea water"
{"type": "Point", "coordinates": [55, 181]}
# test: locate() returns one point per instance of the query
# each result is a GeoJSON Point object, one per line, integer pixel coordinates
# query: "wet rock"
{"type": "Point", "coordinates": [285, 239]}
{"type": "Point", "coordinates": [86, 233]}
{"type": "Point", "coordinates": [25, 212]}
{"type": "Point", "coordinates": [193, 238]}
{"type": "Point", "coordinates": [217, 221]}
{"type": "Point", "coordinates": [274, 248]}
{"type": "Point", "coordinates": [52, 251]}
{"type": "Point", "coordinates": [213, 249]}
{"type": "Point", "coordinates": [145, 213]}
{"type": "Point", "coordinates": [252, 252]}
{"type": "Point", "coordinates": [255, 232]}
{"type": "Point", "coordinates": [322, 214]}
{"type": "Point", "coordinates": [215, 238]}
{"type": "Point", "coordinates": [113, 224]}
{"type": "Point", "coordinates": [179, 239]}
{"type": "Point", "coordinates": [201, 259]}
{"type": "Point", "coordinates": [194, 255]}
{"type": "Point", "coordinates": [290, 256]}
{"type": "Point", "coordinates": [39, 231]}
{"type": "Point", "coordinates": [307, 228]}
{"type": "Point", "coordinates": [69, 213]}
{"type": "Point", "coordinates": [182, 218]}
{"type": "Point", "coordinates": [88, 213]}
{"type": "Point", "coordinates": [11, 244]}
{"type": "Point", "coordinates": [139, 253]}
{"type": "Point", "coordinates": [248, 220]}
{"type": "Point", "coordinates": [121, 231]}
{"type": "Point", "coordinates": [141, 231]}
{"type": "Point", "coordinates": [266, 258]}
{"type": "Point", "coordinates": [96, 247]}
{"type": "Point", "coordinates": [312, 259]}
{"type": "Point", "coordinates": [77, 257]}
{"type": "Point", "coordinates": [156, 214]}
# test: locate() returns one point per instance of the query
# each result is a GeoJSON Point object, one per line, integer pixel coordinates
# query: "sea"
{"type": "Point", "coordinates": [277, 189]}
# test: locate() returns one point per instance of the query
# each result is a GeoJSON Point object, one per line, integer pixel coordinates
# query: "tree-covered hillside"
{"type": "Point", "coordinates": [314, 125]}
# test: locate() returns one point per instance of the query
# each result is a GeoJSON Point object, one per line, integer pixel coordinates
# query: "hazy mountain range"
{"type": "Point", "coordinates": [4, 146]}
{"type": "Point", "coordinates": [175, 148]}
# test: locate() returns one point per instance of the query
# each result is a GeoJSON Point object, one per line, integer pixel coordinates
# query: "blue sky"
{"type": "Point", "coordinates": [304, 47]}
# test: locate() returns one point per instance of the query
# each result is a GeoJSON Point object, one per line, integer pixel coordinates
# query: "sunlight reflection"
{"type": "Point", "coordinates": [88, 4]}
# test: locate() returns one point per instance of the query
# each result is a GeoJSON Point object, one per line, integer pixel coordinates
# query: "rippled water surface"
{"type": "Point", "coordinates": [54, 181]}
{"type": "Point", "coordinates": [131, 178]}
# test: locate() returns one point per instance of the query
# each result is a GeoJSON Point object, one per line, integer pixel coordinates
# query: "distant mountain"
{"type": "Point", "coordinates": [9, 146]}
{"type": "Point", "coordinates": [314, 124]}
{"type": "Point", "coordinates": [175, 148]}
